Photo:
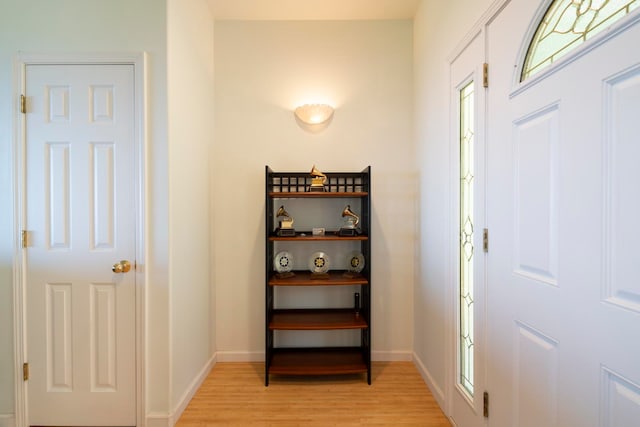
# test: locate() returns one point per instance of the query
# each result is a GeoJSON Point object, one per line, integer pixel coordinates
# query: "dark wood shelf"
{"type": "Point", "coordinates": [317, 361]}
{"type": "Point", "coordinates": [316, 319]}
{"type": "Point", "coordinates": [316, 194]}
{"type": "Point", "coordinates": [305, 278]}
{"type": "Point", "coordinates": [328, 236]}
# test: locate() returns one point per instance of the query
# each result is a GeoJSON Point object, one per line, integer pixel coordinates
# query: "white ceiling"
{"type": "Point", "coordinates": [313, 9]}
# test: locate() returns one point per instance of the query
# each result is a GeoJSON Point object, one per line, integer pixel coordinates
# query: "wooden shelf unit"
{"type": "Point", "coordinates": [318, 360]}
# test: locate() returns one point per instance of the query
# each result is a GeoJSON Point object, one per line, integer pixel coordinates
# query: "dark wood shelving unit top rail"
{"type": "Point", "coordinates": [316, 194]}
{"type": "Point", "coordinates": [339, 184]}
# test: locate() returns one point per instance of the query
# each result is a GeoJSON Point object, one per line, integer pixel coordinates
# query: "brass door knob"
{"type": "Point", "coordinates": [121, 267]}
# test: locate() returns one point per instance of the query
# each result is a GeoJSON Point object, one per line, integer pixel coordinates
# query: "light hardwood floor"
{"type": "Point", "coordinates": [234, 395]}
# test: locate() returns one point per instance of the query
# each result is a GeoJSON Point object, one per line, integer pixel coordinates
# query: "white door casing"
{"type": "Point", "coordinates": [564, 300]}
{"type": "Point", "coordinates": [466, 68]}
{"type": "Point", "coordinates": [81, 213]}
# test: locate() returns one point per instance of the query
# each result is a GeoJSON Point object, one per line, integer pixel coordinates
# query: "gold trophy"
{"type": "Point", "coordinates": [351, 223]}
{"type": "Point", "coordinates": [318, 180]}
{"type": "Point", "coordinates": [285, 227]}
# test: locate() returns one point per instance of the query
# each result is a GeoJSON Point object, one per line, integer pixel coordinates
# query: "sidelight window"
{"type": "Point", "coordinates": [466, 256]}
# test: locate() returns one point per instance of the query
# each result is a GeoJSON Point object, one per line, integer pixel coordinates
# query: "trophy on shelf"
{"type": "Point", "coordinates": [351, 222]}
{"type": "Point", "coordinates": [285, 226]}
{"type": "Point", "coordinates": [318, 180]}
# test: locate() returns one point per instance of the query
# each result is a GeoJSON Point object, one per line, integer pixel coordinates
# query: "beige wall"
{"type": "Point", "coordinates": [263, 71]}
{"type": "Point", "coordinates": [191, 118]}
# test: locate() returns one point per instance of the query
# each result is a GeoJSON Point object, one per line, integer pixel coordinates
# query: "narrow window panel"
{"type": "Point", "coordinates": [466, 248]}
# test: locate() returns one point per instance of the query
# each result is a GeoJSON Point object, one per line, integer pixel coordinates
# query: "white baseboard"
{"type": "Point", "coordinates": [437, 392]}
{"type": "Point", "coordinates": [192, 389]}
{"type": "Point", "coordinates": [7, 420]}
{"type": "Point", "coordinates": [157, 419]}
{"type": "Point", "coordinates": [160, 419]}
{"type": "Point", "coordinates": [240, 356]}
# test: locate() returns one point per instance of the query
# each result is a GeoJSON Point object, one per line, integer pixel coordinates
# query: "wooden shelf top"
{"type": "Point", "coordinates": [317, 361]}
{"type": "Point", "coordinates": [328, 236]}
{"type": "Point", "coordinates": [316, 194]}
{"type": "Point", "coordinates": [305, 278]}
{"type": "Point", "coordinates": [316, 319]}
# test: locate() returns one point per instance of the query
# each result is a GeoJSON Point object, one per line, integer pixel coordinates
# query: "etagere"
{"type": "Point", "coordinates": [319, 223]}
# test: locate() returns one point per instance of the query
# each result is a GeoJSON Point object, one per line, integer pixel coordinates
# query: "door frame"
{"type": "Point", "coordinates": [21, 61]}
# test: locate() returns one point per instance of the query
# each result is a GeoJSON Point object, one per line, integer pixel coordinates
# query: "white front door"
{"type": "Point", "coordinates": [467, 382]}
{"type": "Point", "coordinates": [563, 200]}
{"type": "Point", "coordinates": [80, 213]}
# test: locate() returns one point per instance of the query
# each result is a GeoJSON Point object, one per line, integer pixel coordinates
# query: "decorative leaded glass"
{"type": "Point", "coordinates": [567, 24]}
{"type": "Point", "coordinates": [466, 329]}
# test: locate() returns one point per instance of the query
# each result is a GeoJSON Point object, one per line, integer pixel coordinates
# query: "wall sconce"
{"type": "Point", "coordinates": [314, 117]}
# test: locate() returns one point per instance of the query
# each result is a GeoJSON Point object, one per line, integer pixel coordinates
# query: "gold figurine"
{"type": "Point", "coordinates": [287, 222]}
{"type": "Point", "coordinates": [285, 227]}
{"type": "Point", "coordinates": [318, 180]}
{"type": "Point", "coordinates": [352, 219]}
{"type": "Point", "coordinates": [351, 223]}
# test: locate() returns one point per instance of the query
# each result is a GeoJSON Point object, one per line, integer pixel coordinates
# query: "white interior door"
{"type": "Point", "coordinates": [564, 295]}
{"type": "Point", "coordinates": [467, 384]}
{"type": "Point", "coordinates": [80, 197]}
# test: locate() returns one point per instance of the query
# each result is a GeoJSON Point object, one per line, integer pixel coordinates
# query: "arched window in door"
{"type": "Point", "coordinates": [569, 23]}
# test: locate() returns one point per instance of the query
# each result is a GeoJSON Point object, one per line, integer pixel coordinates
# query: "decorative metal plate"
{"type": "Point", "coordinates": [355, 262]}
{"type": "Point", "coordinates": [319, 262]}
{"type": "Point", "coordinates": [283, 262]}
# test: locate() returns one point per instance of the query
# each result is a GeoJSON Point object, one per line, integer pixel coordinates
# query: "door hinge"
{"type": "Point", "coordinates": [485, 75]}
{"type": "Point", "coordinates": [485, 240]}
{"type": "Point", "coordinates": [25, 239]}
{"type": "Point", "coordinates": [25, 371]}
{"type": "Point", "coordinates": [23, 104]}
{"type": "Point", "coordinates": [485, 404]}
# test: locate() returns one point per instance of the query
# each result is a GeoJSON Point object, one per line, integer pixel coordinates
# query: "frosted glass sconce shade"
{"type": "Point", "coordinates": [314, 114]}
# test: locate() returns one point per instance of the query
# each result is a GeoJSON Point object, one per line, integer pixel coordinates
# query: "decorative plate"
{"type": "Point", "coordinates": [319, 262]}
{"type": "Point", "coordinates": [283, 262]}
{"type": "Point", "coordinates": [355, 262]}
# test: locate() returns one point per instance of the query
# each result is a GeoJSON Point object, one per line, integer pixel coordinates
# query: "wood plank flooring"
{"type": "Point", "coordinates": [234, 395]}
